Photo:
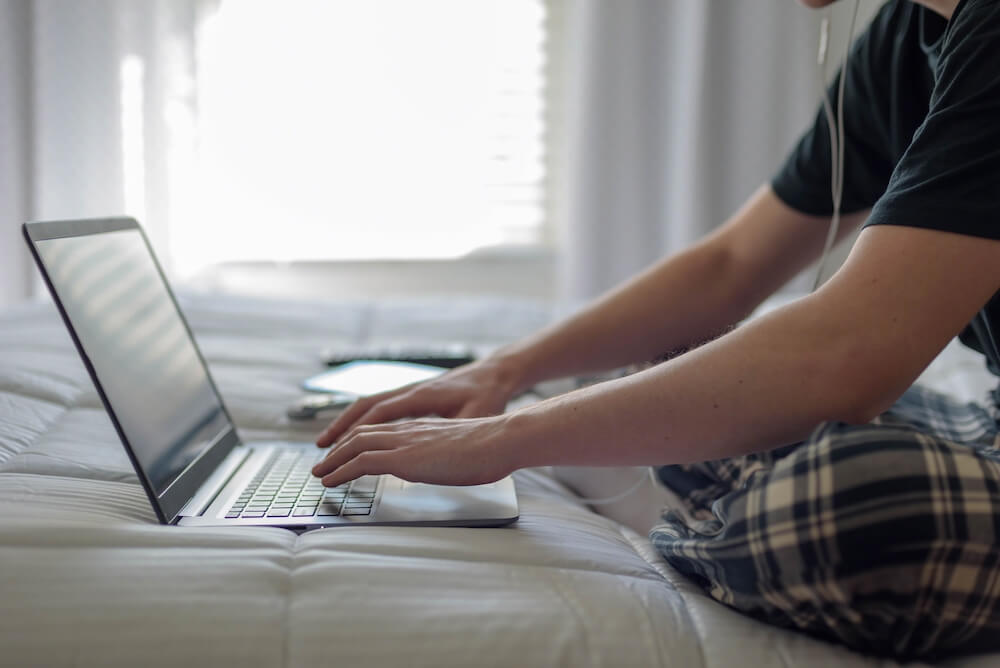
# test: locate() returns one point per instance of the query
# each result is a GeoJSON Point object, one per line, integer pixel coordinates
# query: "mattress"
{"type": "Point", "coordinates": [88, 577]}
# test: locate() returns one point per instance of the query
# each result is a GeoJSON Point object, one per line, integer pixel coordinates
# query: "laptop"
{"type": "Point", "coordinates": [140, 353]}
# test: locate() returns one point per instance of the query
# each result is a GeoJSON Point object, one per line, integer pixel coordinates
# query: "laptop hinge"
{"type": "Point", "coordinates": [214, 483]}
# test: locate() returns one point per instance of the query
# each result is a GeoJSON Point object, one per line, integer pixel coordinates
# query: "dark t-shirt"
{"type": "Point", "coordinates": [922, 133]}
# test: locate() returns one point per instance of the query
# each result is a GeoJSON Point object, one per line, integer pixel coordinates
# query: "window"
{"type": "Point", "coordinates": [372, 129]}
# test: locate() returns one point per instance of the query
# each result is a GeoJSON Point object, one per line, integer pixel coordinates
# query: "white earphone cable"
{"type": "Point", "coordinates": [647, 474]}
{"type": "Point", "coordinates": [836, 128]}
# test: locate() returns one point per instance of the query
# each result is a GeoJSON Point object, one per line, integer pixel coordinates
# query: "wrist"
{"type": "Point", "coordinates": [523, 432]}
{"type": "Point", "coordinates": [514, 370]}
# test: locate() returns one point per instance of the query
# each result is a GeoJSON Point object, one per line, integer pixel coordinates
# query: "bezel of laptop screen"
{"type": "Point", "coordinates": [169, 502]}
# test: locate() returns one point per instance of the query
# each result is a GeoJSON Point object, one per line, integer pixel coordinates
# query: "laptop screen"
{"type": "Point", "coordinates": [139, 347]}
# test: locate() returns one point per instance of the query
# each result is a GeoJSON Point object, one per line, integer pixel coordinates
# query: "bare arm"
{"type": "Point", "coordinates": [680, 301]}
{"type": "Point", "coordinates": [845, 352]}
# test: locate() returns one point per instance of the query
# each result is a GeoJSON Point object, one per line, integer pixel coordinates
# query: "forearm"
{"type": "Point", "coordinates": [766, 384]}
{"type": "Point", "coordinates": [656, 312]}
{"type": "Point", "coordinates": [682, 301]}
{"type": "Point", "coordinates": [845, 352]}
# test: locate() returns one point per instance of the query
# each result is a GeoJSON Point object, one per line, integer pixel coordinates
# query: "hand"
{"type": "Point", "coordinates": [432, 450]}
{"type": "Point", "coordinates": [474, 390]}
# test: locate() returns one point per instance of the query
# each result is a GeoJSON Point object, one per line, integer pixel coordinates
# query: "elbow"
{"type": "Point", "coordinates": [873, 405]}
{"type": "Point", "coordinates": [861, 412]}
{"type": "Point", "coordinates": [863, 384]}
{"type": "Point", "coordinates": [857, 369]}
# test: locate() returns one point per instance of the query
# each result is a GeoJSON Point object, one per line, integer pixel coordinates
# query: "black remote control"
{"type": "Point", "coordinates": [444, 356]}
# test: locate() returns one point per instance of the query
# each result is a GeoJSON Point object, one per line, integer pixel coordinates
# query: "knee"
{"type": "Point", "coordinates": [881, 538]}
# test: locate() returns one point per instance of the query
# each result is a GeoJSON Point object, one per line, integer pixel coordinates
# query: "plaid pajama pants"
{"type": "Point", "coordinates": [884, 537]}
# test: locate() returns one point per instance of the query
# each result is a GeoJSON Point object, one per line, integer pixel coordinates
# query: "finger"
{"type": "Point", "coordinates": [366, 463]}
{"type": "Point", "coordinates": [405, 405]}
{"type": "Point", "coordinates": [411, 404]}
{"type": "Point", "coordinates": [467, 412]}
{"type": "Point", "coordinates": [352, 446]}
{"type": "Point", "coordinates": [357, 414]}
{"type": "Point", "coordinates": [345, 421]}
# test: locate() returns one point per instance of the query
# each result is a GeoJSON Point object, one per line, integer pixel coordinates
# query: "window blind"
{"type": "Point", "coordinates": [373, 129]}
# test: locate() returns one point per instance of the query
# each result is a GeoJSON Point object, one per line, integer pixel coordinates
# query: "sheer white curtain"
{"type": "Point", "coordinates": [74, 76]}
{"type": "Point", "coordinates": [664, 115]}
{"type": "Point", "coordinates": [15, 130]}
{"type": "Point", "coordinates": [673, 112]}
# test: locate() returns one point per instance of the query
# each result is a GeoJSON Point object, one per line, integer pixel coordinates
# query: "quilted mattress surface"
{"type": "Point", "coordinates": [88, 578]}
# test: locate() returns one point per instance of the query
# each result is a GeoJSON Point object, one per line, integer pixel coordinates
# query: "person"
{"type": "Point", "coordinates": [821, 491]}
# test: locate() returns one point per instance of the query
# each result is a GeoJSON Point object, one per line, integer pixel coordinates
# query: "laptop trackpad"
{"type": "Point", "coordinates": [420, 502]}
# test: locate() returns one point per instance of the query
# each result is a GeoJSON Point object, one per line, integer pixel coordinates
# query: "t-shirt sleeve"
{"type": "Point", "coordinates": [804, 180]}
{"type": "Point", "coordinates": [949, 177]}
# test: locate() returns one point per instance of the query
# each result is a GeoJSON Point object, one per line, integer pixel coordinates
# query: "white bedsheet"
{"type": "Point", "coordinates": [88, 578]}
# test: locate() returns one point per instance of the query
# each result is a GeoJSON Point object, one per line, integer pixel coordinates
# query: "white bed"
{"type": "Point", "coordinates": [88, 578]}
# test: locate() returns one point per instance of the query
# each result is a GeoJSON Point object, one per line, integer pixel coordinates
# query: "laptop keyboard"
{"type": "Point", "coordinates": [285, 487]}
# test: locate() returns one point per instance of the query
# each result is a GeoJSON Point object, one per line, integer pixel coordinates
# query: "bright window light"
{"type": "Point", "coordinates": [354, 129]}
{"type": "Point", "coordinates": [133, 149]}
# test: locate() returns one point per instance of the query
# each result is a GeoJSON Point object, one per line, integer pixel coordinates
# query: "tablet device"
{"type": "Point", "coordinates": [364, 377]}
